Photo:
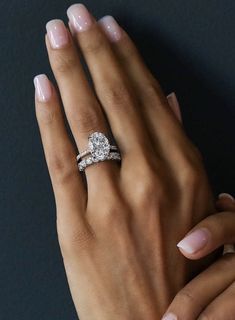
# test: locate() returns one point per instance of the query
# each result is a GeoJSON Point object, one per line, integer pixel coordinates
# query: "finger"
{"type": "Point", "coordinates": [60, 155]}
{"type": "Point", "coordinates": [222, 307]}
{"type": "Point", "coordinates": [203, 289]}
{"type": "Point", "coordinates": [111, 85]}
{"type": "Point", "coordinates": [225, 202]}
{"type": "Point", "coordinates": [174, 104]}
{"type": "Point", "coordinates": [82, 109]}
{"type": "Point", "coordinates": [210, 234]}
{"type": "Point", "coordinates": [161, 121]}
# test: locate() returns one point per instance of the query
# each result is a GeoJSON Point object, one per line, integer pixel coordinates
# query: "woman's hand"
{"type": "Point", "coordinates": [118, 231]}
{"type": "Point", "coordinates": [211, 294]}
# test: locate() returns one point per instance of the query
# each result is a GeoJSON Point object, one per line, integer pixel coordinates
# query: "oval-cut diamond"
{"type": "Point", "coordinates": [99, 146]}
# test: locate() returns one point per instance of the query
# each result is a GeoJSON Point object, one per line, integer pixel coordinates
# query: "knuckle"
{"type": "Point", "coordinates": [46, 115]}
{"type": "Point", "coordinates": [130, 49]}
{"type": "Point", "coordinates": [117, 95]}
{"type": "Point", "coordinates": [63, 63]}
{"type": "Point", "coordinates": [88, 121]}
{"type": "Point", "coordinates": [111, 214]}
{"type": "Point", "coordinates": [190, 176]}
{"type": "Point", "coordinates": [186, 297]}
{"type": "Point", "coordinates": [191, 171]}
{"type": "Point", "coordinates": [149, 192]}
{"type": "Point", "coordinates": [152, 90]}
{"type": "Point", "coordinates": [62, 167]}
{"type": "Point", "coordinates": [94, 44]}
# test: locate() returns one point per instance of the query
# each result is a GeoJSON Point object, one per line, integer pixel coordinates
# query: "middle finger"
{"type": "Point", "coordinates": [82, 109]}
{"type": "Point", "coordinates": [112, 87]}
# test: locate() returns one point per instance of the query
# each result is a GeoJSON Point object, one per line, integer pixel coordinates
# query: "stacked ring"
{"type": "Point", "coordinates": [99, 149]}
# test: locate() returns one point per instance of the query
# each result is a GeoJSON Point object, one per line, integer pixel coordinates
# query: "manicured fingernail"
{"type": "Point", "coordinates": [174, 104]}
{"type": "Point", "coordinates": [79, 17]}
{"type": "Point", "coordinates": [42, 87]}
{"type": "Point", "coordinates": [226, 196]}
{"type": "Point", "coordinates": [170, 316]}
{"type": "Point", "coordinates": [195, 241]}
{"type": "Point", "coordinates": [111, 28]}
{"type": "Point", "coordinates": [57, 33]}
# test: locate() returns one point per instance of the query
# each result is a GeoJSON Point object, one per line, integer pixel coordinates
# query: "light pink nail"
{"type": "Point", "coordinates": [195, 241]}
{"type": "Point", "coordinates": [170, 316]}
{"type": "Point", "coordinates": [174, 104]}
{"type": "Point", "coordinates": [57, 33]}
{"type": "Point", "coordinates": [79, 17]}
{"type": "Point", "coordinates": [43, 88]}
{"type": "Point", "coordinates": [226, 196]}
{"type": "Point", "coordinates": [111, 28]}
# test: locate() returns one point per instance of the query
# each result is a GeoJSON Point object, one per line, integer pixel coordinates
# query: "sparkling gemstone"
{"type": "Point", "coordinates": [99, 146]}
{"type": "Point", "coordinates": [89, 161]}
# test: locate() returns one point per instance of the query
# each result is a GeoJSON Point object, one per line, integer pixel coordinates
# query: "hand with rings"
{"type": "Point", "coordinates": [137, 184]}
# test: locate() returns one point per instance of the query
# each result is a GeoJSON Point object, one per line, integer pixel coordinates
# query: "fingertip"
{"type": "Point", "coordinates": [226, 196]}
{"type": "Point", "coordinates": [194, 241]}
{"type": "Point", "coordinates": [225, 202]}
{"type": "Point", "coordinates": [43, 88]}
{"type": "Point", "coordinates": [174, 104]}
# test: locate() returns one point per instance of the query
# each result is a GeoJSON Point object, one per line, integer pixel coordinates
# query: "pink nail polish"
{"type": "Point", "coordinates": [170, 316]}
{"type": "Point", "coordinates": [57, 33]}
{"type": "Point", "coordinates": [79, 17]}
{"type": "Point", "coordinates": [195, 241]}
{"type": "Point", "coordinates": [43, 88]}
{"type": "Point", "coordinates": [226, 196]}
{"type": "Point", "coordinates": [111, 28]}
{"type": "Point", "coordinates": [174, 104]}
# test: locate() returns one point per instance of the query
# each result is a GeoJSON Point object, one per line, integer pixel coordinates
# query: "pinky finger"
{"type": "Point", "coordinates": [225, 202]}
{"type": "Point", "coordinates": [174, 104]}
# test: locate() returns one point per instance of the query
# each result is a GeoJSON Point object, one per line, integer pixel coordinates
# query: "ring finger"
{"type": "Point", "coordinates": [82, 109]}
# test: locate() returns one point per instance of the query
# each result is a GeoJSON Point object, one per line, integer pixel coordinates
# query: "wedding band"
{"type": "Point", "coordinates": [99, 149]}
{"type": "Point", "coordinates": [87, 152]}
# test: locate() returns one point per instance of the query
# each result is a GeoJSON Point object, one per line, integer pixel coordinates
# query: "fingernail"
{"type": "Point", "coordinates": [57, 33]}
{"type": "Point", "coordinates": [170, 316]}
{"type": "Point", "coordinates": [226, 196]}
{"type": "Point", "coordinates": [42, 87]}
{"type": "Point", "coordinates": [79, 17]}
{"type": "Point", "coordinates": [174, 104]}
{"type": "Point", "coordinates": [195, 241]}
{"type": "Point", "coordinates": [111, 28]}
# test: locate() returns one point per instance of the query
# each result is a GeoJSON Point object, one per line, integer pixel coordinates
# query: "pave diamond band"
{"type": "Point", "coordinates": [99, 149]}
{"type": "Point", "coordinates": [82, 165]}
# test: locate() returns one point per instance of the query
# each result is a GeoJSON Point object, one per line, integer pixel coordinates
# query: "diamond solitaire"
{"type": "Point", "coordinates": [99, 149]}
{"type": "Point", "coordinates": [99, 146]}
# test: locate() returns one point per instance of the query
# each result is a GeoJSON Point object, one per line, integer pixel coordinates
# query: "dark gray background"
{"type": "Point", "coordinates": [189, 45]}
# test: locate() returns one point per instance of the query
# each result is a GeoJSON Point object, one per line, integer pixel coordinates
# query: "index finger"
{"type": "Point", "coordinates": [196, 295]}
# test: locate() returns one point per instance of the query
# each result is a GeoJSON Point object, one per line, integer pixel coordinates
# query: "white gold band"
{"type": "Point", "coordinates": [82, 165]}
{"type": "Point", "coordinates": [99, 149]}
{"type": "Point", "coordinates": [87, 152]}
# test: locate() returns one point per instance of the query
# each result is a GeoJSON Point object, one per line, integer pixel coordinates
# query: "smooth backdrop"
{"type": "Point", "coordinates": [188, 44]}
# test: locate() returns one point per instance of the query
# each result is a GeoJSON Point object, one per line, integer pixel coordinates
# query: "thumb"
{"type": "Point", "coordinates": [212, 232]}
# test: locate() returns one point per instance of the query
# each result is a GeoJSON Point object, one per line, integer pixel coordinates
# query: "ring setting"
{"type": "Point", "coordinates": [99, 149]}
